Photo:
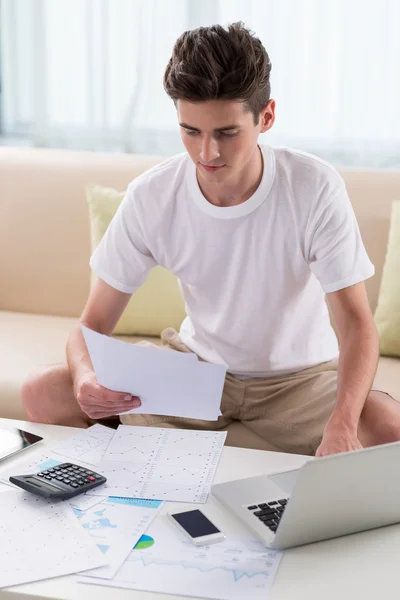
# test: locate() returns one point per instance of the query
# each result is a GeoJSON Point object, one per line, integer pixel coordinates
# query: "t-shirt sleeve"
{"type": "Point", "coordinates": [336, 252]}
{"type": "Point", "coordinates": [123, 259]}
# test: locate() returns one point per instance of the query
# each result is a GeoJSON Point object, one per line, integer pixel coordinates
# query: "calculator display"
{"type": "Point", "coordinates": [41, 483]}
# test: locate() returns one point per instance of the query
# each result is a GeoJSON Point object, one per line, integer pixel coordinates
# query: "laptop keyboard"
{"type": "Point", "coordinates": [269, 513]}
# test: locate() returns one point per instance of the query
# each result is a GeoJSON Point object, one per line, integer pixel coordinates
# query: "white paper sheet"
{"type": "Point", "coordinates": [239, 567]}
{"type": "Point", "coordinates": [88, 445]}
{"type": "Point", "coordinates": [161, 463]}
{"type": "Point", "coordinates": [85, 501]}
{"type": "Point", "coordinates": [39, 463]}
{"type": "Point", "coordinates": [4, 487]}
{"type": "Point", "coordinates": [168, 382]}
{"type": "Point", "coordinates": [41, 539]}
{"type": "Point", "coordinates": [116, 525]}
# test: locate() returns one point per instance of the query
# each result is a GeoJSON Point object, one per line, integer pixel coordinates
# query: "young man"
{"type": "Point", "coordinates": [258, 238]}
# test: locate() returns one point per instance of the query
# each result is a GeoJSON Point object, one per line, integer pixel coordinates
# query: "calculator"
{"type": "Point", "coordinates": [61, 482]}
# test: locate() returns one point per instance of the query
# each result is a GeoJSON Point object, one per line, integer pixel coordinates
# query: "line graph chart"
{"type": "Point", "coordinates": [88, 445]}
{"type": "Point", "coordinates": [239, 567]}
{"type": "Point", "coordinates": [123, 479]}
{"type": "Point", "coordinates": [177, 464]}
{"type": "Point", "coordinates": [130, 443]}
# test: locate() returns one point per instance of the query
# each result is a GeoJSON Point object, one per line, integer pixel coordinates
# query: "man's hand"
{"type": "Point", "coordinates": [99, 402]}
{"type": "Point", "coordinates": [337, 438]}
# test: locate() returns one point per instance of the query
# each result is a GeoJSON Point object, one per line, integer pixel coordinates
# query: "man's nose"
{"type": "Point", "coordinates": [209, 150]}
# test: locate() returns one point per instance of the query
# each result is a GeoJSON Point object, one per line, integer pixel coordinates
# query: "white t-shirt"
{"type": "Point", "coordinates": [254, 275]}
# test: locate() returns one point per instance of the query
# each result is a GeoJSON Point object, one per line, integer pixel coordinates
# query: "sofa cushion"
{"type": "Point", "coordinates": [158, 303]}
{"type": "Point", "coordinates": [387, 315]}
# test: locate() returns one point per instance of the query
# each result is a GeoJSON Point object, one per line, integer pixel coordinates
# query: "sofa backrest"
{"type": "Point", "coordinates": [44, 225]}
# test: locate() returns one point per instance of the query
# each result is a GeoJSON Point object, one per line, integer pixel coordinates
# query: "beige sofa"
{"type": "Point", "coordinates": [45, 250]}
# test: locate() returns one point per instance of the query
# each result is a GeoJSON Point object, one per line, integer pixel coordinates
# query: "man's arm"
{"type": "Point", "coordinates": [101, 313]}
{"type": "Point", "coordinates": [358, 360]}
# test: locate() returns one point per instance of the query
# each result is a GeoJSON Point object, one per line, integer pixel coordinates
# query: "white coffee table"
{"type": "Point", "coordinates": [364, 566]}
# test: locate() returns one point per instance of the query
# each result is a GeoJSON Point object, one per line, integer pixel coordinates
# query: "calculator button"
{"type": "Point", "coordinates": [47, 477]}
{"type": "Point", "coordinates": [40, 475]}
{"type": "Point", "coordinates": [59, 477]}
{"type": "Point", "coordinates": [74, 485]}
{"type": "Point", "coordinates": [91, 478]}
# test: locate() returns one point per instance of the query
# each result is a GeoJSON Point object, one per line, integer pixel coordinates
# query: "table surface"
{"type": "Point", "coordinates": [363, 565]}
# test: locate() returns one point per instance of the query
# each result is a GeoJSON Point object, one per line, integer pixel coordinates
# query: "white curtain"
{"type": "Point", "coordinates": [88, 73]}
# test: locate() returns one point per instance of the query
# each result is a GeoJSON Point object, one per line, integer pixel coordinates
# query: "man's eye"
{"type": "Point", "coordinates": [190, 132]}
{"type": "Point", "coordinates": [228, 134]}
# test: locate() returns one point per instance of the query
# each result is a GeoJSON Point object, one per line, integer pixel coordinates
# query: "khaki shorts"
{"type": "Point", "coordinates": [285, 414]}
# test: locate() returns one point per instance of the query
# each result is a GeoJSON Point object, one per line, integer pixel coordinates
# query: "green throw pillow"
{"type": "Point", "coordinates": [387, 314]}
{"type": "Point", "coordinates": [158, 303]}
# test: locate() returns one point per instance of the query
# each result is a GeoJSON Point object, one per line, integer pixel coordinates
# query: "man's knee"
{"type": "Point", "coordinates": [380, 420]}
{"type": "Point", "coordinates": [30, 395]}
{"type": "Point", "coordinates": [44, 391]}
{"type": "Point", "coordinates": [33, 394]}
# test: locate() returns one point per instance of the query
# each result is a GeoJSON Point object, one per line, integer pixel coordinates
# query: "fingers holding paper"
{"type": "Point", "coordinates": [99, 402]}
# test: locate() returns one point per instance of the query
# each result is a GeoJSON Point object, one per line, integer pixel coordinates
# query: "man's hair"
{"type": "Point", "coordinates": [213, 63]}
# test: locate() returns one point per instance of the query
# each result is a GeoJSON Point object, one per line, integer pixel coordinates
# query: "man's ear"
{"type": "Point", "coordinates": [267, 116]}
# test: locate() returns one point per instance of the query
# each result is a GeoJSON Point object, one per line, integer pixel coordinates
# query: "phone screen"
{"type": "Point", "coordinates": [195, 523]}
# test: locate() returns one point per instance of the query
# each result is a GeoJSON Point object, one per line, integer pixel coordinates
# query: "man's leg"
{"type": "Point", "coordinates": [291, 412]}
{"type": "Point", "coordinates": [48, 397]}
{"type": "Point", "coordinates": [380, 420]}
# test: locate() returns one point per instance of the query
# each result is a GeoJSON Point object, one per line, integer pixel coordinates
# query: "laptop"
{"type": "Point", "coordinates": [327, 497]}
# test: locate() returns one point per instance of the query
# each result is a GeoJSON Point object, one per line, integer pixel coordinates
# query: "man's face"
{"type": "Point", "coordinates": [220, 136]}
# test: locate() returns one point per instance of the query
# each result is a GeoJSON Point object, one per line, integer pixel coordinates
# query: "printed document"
{"type": "Point", "coordinates": [88, 446]}
{"type": "Point", "coordinates": [168, 382]}
{"type": "Point", "coordinates": [160, 463]}
{"type": "Point", "coordinates": [42, 539]}
{"type": "Point", "coordinates": [165, 562]}
{"type": "Point", "coordinates": [116, 525]}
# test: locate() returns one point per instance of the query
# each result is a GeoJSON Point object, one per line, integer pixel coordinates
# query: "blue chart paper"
{"type": "Point", "coordinates": [164, 561]}
{"type": "Point", "coordinates": [116, 525]}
